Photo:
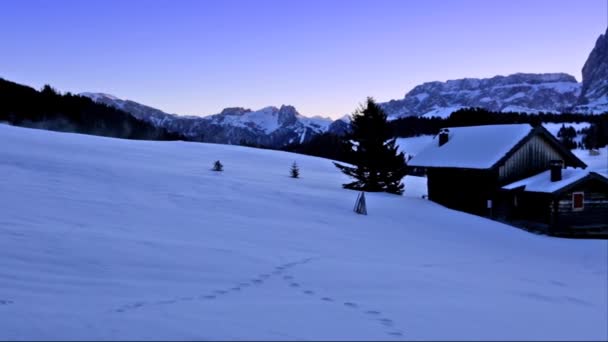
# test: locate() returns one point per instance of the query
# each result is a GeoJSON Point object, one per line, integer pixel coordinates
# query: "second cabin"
{"type": "Point", "coordinates": [467, 166]}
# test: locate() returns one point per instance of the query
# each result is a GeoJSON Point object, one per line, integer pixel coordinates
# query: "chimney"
{"type": "Point", "coordinates": [443, 136]}
{"type": "Point", "coordinates": [556, 170]}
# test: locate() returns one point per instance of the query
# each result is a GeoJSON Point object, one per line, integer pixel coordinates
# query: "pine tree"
{"type": "Point", "coordinates": [378, 165]}
{"type": "Point", "coordinates": [217, 166]}
{"type": "Point", "coordinates": [294, 171]}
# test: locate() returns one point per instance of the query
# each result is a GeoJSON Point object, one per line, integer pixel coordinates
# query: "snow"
{"type": "Point", "coordinates": [477, 147]}
{"type": "Point", "coordinates": [542, 181]}
{"type": "Point", "coordinates": [527, 110]}
{"type": "Point", "coordinates": [265, 119]}
{"type": "Point", "coordinates": [97, 96]}
{"type": "Point", "coordinates": [411, 146]}
{"type": "Point", "coordinates": [442, 112]}
{"type": "Point", "coordinates": [107, 239]}
{"type": "Point", "coordinates": [594, 163]}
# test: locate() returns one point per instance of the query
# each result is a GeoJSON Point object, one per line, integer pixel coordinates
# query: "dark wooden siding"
{"type": "Point", "coordinates": [462, 189]}
{"type": "Point", "coordinates": [531, 158]}
{"type": "Point", "coordinates": [594, 213]}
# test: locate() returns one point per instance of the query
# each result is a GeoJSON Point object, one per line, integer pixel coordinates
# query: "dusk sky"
{"type": "Point", "coordinates": [322, 56]}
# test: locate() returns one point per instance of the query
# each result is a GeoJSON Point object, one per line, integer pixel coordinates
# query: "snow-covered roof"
{"type": "Point", "coordinates": [542, 181]}
{"type": "Point", "coordinates": [476, 147]}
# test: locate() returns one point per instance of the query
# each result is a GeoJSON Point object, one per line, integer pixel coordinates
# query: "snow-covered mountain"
{"type": "Point", "coordinates": [531, 93]}
{"type": "Point", "coordinates": [270, 126]}
{"type": "Point", "coordinates": [594, 93]}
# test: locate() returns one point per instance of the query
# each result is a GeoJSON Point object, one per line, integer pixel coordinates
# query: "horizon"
{"type": "Point", "coordinates": [197, 62]}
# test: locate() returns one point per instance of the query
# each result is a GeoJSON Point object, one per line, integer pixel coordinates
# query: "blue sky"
{"type": "Point", "coordinates": [322, 56]}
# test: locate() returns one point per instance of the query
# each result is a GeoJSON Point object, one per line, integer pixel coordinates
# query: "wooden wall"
{"type": "Point", "coordinates": [595, 212]}
{"type": "Point", "coordinates": [531, 158]}
{"type": "Point", "coordinates": [462, 189]}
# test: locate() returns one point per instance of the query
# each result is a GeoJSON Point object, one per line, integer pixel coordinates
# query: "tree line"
{"type": "Point", "coordinates": [48, 109]}
{"type": "Point", "coordinates": [332, 146]}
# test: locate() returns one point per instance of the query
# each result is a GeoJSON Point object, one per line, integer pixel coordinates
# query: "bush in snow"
{"type": "Point", "coordinates": [294, 171]}
{"type": "Point", "coordinates": [217, 166]}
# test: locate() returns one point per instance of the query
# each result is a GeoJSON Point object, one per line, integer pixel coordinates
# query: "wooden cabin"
{"type": "Point", "coordinates": [467, 166]}
{"type": "Point", "coordinates": [562, 201]}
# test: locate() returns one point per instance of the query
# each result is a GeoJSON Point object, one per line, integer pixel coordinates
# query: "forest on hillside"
{"type": "Point", "coordinates": [332, 146]}
{"type": "Point", "coordinates": [48, 109]}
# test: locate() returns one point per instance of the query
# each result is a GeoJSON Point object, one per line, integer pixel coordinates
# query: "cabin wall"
{"type": "Point", "coordinates": [462, 189]}
{"type": "Point", "coordinates": [594, 213]}
{"type": "Point", "coordinates": [531, 158]}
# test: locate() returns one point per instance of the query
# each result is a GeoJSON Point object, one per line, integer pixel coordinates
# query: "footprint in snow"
{"type": "Point", "coordinates": [5, 302]}
{"type": "Point", "coordinates": [294, 285]}
{"type": "Point", "coordinates": [236, 289]}
{"type": "Point", "coordinates": [163, 302]}
{"type": "Point", "coordinates": [308, 292]}
{"type": "Point", "coordinates": [257, 281]}
{"type": "Point", "coordinates": [287, 277]}
{"type": "Point", "coordinates": [209, 297]}
{"type": "Point", "coordinates": [219, 291]}
{"type": "Point", "coordinates": [395, 333]}
{"type": "Point", "coordinates": [350, 304]}
{"type": "Point", "coordinates": [386, 321]}
{"type": "Point", "coordinates": [186, 298]}
{"type": "Point", "coordinates": [327, 299]}
{"type": "Point", "coordinates": [372, 312]}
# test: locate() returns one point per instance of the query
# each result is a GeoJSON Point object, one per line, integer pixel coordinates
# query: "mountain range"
{"type": "Point", "coordinates": [279, 126]}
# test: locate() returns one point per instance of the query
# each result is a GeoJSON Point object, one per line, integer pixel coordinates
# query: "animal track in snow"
{"type": "Point", "coordinates": [239, 287]}
{"type": "Point", "coordinates": [5, 302]}
{"type": "Point", "coordinates": [386, 322]}
{"type": "Point", "coordinates": [350, 304]}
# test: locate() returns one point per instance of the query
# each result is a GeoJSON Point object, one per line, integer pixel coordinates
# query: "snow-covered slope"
{"type": "Point", "coordinates": [114, 239]}
{"type": "Point", "coordinates": [268, 126]}
{"type": "Point", "coordinates": [531, 93]}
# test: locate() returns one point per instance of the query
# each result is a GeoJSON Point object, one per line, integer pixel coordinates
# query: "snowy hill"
{"type": "Point", "coordinates": [269, 126]}
{"type": "Point", "coordinates": [115, 239]}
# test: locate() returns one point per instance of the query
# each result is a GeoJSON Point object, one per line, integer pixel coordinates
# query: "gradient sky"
{"type": "Point", "coordinates": [322, 56]}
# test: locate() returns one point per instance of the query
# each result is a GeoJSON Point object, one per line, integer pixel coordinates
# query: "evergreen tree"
{"type": "Point", "coordinates": [294, 171]}
{"type": "Point", "coordinates": [378, 165]}
{"type": "Point", "coordinates": [566, 136]}
{"type": "Point", "coordinates": [217, 166]}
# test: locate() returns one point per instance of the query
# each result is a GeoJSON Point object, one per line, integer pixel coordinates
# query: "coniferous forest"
{"type": "Point", "coordinates": [331, 146]}
{"type": "Point", "coordinates": [47, 109]}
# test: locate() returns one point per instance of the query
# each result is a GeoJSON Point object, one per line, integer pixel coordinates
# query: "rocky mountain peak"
{"type": "Point", "coordinates": [287, 115]}
{"type": "Point", "coordinates": [235, 111]}
{"type": "Point", "coordinates": [594, 92]}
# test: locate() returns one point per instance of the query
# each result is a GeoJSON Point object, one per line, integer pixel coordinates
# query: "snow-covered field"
{"type": "Point", "coordinates": [114, 239]}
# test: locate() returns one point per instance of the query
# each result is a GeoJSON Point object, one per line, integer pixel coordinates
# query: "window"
{"type": "Point", "coordinates": [578, 201]}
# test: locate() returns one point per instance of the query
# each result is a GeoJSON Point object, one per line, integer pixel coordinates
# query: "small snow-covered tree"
{"type": "Point", "coordinates": [294, 171]}
{"type": "Point", "coordinates": [217, 166]}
